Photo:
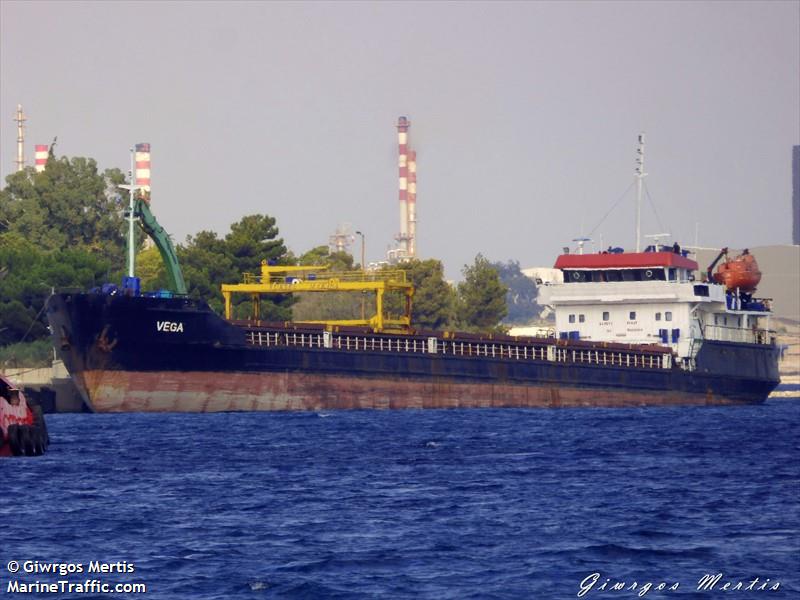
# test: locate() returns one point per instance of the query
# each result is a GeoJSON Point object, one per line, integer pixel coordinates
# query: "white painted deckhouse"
{"type": "Point", "coordinates": [651, 297]}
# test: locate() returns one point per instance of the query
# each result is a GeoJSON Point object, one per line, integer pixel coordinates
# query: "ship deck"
{"type": "Point", "coordinates": [460, 344]}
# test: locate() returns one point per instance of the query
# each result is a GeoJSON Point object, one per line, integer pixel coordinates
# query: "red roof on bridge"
{"type": "Point", "coordinates": [624, 260]}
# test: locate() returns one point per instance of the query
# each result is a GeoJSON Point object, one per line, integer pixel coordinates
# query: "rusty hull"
{"type": "Point", "coordinates": [124, 391]}
{"type": "Point", "coordinates": [122, 361]}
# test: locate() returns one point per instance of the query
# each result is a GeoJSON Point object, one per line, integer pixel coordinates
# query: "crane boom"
{"type": "Point", "coordinates": [161, 239]}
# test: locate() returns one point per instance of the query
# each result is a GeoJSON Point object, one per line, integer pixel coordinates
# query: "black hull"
{"type": "Point", "coordinates": [175, 354]}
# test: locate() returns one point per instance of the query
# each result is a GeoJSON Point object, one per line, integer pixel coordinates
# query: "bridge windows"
{"type": "Point", "coordinates": [668, 316]}
{"type": "Point", "coordinates": [572, 318]}
{"type": "Point", "coordinates": [658, 316]}
{"type": "Point", "coordinates": [654, 274]}
{"type": "Point", "coordinates": [612, 275]}
{"type": "Point", "coordinates": [606, 316]}
{"type": "Point", "coordinates": [577, 276]}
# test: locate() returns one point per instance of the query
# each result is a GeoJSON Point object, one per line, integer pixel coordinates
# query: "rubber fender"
{"type": "Point", "coordinates": [28, 436]}
{"type": "Point", "coordinates": [40, 424]}
{"type": "Point", "coordinates": [38, 441]}
{"type": "Point", "coordinates": [14, 440]}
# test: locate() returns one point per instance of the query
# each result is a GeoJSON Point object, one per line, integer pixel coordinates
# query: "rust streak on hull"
{"type": "Point", "coordinates": [126, 391]}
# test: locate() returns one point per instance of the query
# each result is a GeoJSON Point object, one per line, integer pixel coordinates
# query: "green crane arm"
{"type": "Point", "coordinates": [163, 243]}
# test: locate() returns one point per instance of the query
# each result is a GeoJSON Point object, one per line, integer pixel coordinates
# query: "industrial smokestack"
{"type": "Point", "coordinates": [42, 151]}
{"type": "Point", "coordinates": [412, 204]}
{"type": "Point", "coordinates": [402, 142]}
{"type": "Point", "coordinates": [143, 171]}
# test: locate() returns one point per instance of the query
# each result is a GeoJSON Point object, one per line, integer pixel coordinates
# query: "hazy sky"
{"type": "Point", "coordinates": [524, 115]}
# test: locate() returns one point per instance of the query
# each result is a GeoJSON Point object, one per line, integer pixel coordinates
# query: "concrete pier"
{"type": "Point", "coordinates": [51, 387]}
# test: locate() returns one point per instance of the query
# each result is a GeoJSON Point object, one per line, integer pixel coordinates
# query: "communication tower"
{"type": "Point", "coordinates": [342, 239]}
{"type": "Point", "coordinates": [20, 119]}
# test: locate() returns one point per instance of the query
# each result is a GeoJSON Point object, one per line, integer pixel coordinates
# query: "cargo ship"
{"type": "Point", "coordinates": [631, 329]}
{"type": "Point", "coordinates": [639, 328]}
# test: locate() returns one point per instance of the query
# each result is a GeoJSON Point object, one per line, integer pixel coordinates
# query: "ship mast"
{"type": "Point", "coordinates": [131, 255]}
{"type": "Point", "coordinates": [640, 175]}
{"type": "Point", "coordinates": [131, 217]}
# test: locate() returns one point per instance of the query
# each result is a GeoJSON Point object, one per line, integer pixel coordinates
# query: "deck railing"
{"type": "Point", "coordinates": [542, 351]}
{"type": "Point", "coordinates": [737, 334]}
{"type": "Point", "coordinates": [393, 276]}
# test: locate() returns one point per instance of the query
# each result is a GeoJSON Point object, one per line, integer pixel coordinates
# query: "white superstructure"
{"type": "Point", "coordinates": [650, 297]}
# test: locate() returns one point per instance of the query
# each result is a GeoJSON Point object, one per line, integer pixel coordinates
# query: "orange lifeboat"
{"type": "Point", "coordinates": [741, 272]}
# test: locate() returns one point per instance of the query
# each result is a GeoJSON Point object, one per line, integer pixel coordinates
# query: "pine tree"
{"type": "Point", "coordinates": [481, 301]}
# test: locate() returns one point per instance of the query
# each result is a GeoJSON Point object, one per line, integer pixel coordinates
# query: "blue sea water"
{"type": "Point", "coordinates": [413, 504]}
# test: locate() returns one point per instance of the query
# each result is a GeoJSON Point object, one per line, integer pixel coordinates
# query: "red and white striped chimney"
{"type": "Point", "coordinates": [402, 143]}
{"type": "Point", "coordinates": [143, 170]}
{"type": "Point", "coordinates": [42, 151]}
{"type": "Point", "coordinates": [412, 203]}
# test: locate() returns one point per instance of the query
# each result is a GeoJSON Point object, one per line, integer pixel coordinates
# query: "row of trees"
{"type": "Point", "coordinates": [476, 304]}
{"type": "Point", "coordinates": [490, 297]}
{"type": "Point", "coordinates": [436, 305]}
{"type": "Point", "coordinates": [208, 260]}
{"type": "Point", "coordinates": [65, 228]}
{"type": "Point", "coordinates": [59, 228]}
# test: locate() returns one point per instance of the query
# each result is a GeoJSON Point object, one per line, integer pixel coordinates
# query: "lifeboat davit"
{"type": "Point", "coordinates": [741, 272]}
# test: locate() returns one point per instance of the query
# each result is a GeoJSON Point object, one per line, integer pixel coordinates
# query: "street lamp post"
{"type": "Point", "coordinates": [363, 270]}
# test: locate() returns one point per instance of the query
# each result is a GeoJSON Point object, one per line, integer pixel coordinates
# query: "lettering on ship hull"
{"type": "Point", "coordinates": [169, 326]}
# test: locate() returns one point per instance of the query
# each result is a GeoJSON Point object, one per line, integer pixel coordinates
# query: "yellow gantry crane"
{"type": "Point", "coordinates": [281, 279]}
